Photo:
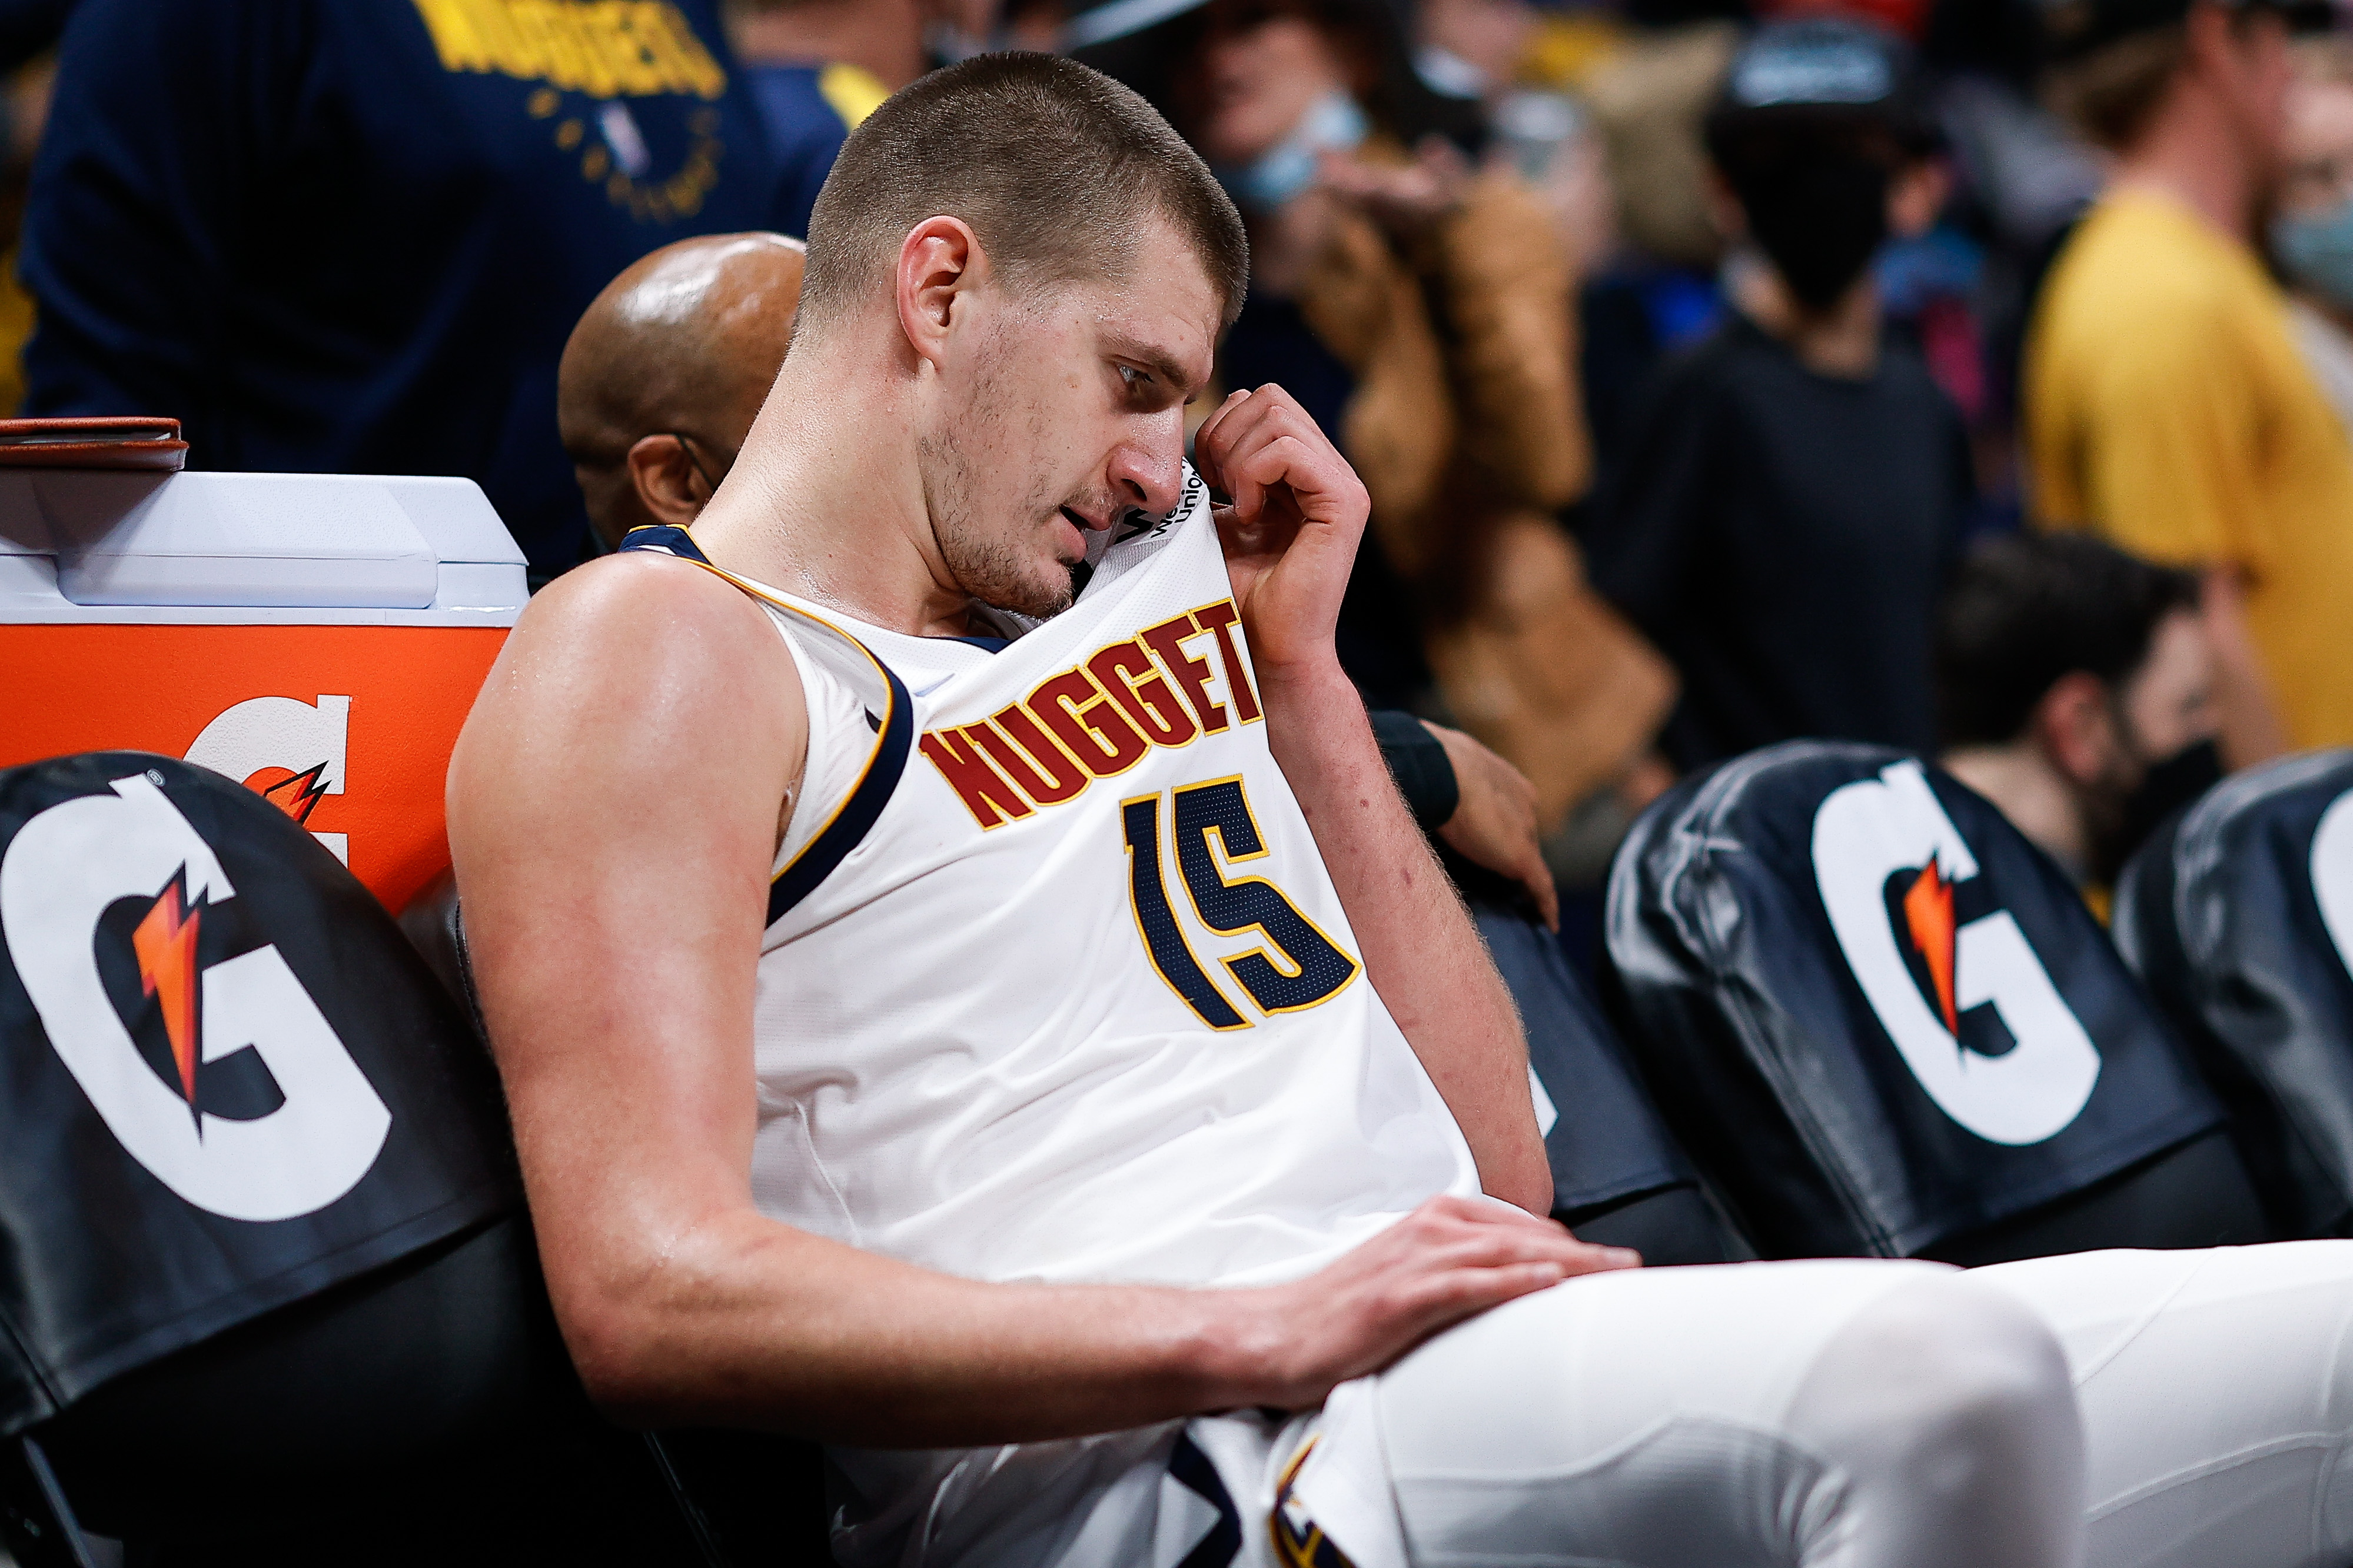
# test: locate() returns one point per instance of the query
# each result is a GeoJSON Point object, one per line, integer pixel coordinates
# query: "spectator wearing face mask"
{"type": "Point", "coordinates": [1795, 489]}
{"type": "Point", "coordinates": [1420, 309]}
{"type": "Point", "coordinates": [2312, 233]}
{"type": "Point", "coordinates": [1473, 49]}
{"type": "Point", "coordinates": [2074, 689]}
{"type": "Point", "coordinates": [2166, 407]}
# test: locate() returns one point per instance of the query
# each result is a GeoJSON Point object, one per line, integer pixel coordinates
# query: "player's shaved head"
{"type": "Point", "coordinates": [685, 342]}
{"type": "Point", "coordinates": [1056, 169]}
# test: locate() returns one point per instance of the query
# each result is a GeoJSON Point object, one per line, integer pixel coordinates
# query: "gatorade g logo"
{"type": "Point", "coordinates": [248, 1106]}
{"type": "Point", "coordinates": [1888, 861]}
{"type": "Point", "coordinates": [304, 747]}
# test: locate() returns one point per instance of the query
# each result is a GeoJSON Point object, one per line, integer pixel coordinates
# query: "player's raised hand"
{"type": "Point", "coordinates": [1451, 1258]}
{"type": "Point", "coordinates": [1291, 525]}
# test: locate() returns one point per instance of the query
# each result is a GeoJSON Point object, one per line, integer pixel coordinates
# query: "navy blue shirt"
{"type": "Point", "coordinates": [352, 236]}
{"type": "Point", "coordinates": [1784, 538]}
{"type": "Point", "coordinates": [805, 130]}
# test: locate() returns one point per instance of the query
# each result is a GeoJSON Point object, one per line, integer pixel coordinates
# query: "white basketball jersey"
{"type": "Point", "coordinates": [1055, 985]}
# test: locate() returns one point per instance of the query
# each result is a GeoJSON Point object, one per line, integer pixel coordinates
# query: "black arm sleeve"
{"type": "Point", "coordinates": [1419, 764]}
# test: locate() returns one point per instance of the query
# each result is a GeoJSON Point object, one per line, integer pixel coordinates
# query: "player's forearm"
{"type": "Point", "coordinates": [742, 1322]}
{"type": "Point", "coordinates": [1418, 945]}
{"type": "Point", "coordinates": [755, 1324]}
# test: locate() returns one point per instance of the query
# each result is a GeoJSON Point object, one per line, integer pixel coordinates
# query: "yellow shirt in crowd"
{"type": "Point", "coordinates": [2168, 410]}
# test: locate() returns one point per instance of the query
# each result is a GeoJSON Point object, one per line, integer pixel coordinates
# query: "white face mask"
{"type": "Point", "coordinates": [1332, 123]}
{"type": "Point", "coordinates": [2316, 249]}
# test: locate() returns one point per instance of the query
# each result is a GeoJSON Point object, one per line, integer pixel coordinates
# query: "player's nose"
{"type": "Point", "coordinates": [1149, 475]}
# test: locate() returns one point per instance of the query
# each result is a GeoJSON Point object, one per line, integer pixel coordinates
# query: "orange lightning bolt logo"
{"type": "Point", "coordinates": [165, 941]}
{"type": "Point", "coordinates": [297, 795]}
{"type": "Point", "coordinates": [1928, 912]}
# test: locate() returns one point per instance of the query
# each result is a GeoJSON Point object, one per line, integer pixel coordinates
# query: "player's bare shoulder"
{"type": "Point", "coordinates": [636, 667]}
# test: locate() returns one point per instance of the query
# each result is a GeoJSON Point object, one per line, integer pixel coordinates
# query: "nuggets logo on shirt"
{"type": "Point", "coordinates": [604, 48]}
{"type": "Point", "coordinates": [1099, 718]}
{"type": "Point", "coordinates": [604, 51]}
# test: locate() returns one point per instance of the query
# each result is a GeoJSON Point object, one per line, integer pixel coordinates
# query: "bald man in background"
{"type": "Point", "coordinates": [666, 370]}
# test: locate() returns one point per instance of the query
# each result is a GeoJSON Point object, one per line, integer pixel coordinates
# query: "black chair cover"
{"type": "Point", "coordinates": [231, 1083]}
{"type": "Point", "coordinates": [1602, 1137]}
{"type": "Point", "coordinates": [1878, 1015]}
{"type": "Point", "coordinates": [269, 1293]}
{"type": "Point", "coordinates": [1617, 1171]}
{"type": "Point", "coordinates": [1618, 1175]}
{"type": "Point", "coordinates": [2237, 916]}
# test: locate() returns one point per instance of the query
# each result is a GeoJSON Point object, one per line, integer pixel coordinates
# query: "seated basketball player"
{"type": "Point", "coordinates": [662, 377]}
{"type": "Point", "coordinates": [1053, 1071]}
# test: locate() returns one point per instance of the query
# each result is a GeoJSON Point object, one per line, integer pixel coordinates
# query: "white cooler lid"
{"type": "Point", "coordinates": [91, 546]}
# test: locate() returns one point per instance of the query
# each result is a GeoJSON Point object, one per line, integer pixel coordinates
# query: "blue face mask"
{"type": "Point", "coordinates": [1332, 123]}
{"type": "Point", "coordinates": [2316, 249]}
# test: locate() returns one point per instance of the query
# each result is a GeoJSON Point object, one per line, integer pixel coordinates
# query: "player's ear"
{"type": "Point", "coordinates": [664, 475]}
{"type": "Point", "coordinates": [939, 261]}
{"type": "Point", "coordinates": [2077, 726]}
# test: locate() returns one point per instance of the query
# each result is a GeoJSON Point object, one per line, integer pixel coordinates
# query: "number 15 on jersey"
{"type": "Point", "coordinates": [1295, 966]}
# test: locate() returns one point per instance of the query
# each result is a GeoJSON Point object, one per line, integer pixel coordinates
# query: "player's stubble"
{"type": "Point", "coordinates": [998, 553]}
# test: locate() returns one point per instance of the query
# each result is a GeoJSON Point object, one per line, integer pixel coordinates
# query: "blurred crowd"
{"type": "Point", "coordinates": [1971, 377]}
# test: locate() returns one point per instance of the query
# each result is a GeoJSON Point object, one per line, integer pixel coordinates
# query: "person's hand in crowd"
{"type": "Point", "coordinates": [1405, 198]}
{"type": "Point", "coordinates": [1494, 820]}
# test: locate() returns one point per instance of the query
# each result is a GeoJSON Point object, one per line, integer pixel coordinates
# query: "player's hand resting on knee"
{"type": "Point", "coordinates": [1450, 1259]}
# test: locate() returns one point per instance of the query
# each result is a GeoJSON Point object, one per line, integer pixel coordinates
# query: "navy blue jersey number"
{"type": "Point", "coordinates": [1164, 938]}
{"type": "Point", "coordinates": [1304, 967]}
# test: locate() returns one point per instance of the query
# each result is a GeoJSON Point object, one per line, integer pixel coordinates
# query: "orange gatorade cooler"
{"type": "Point", "coordinates": [319, 638]}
